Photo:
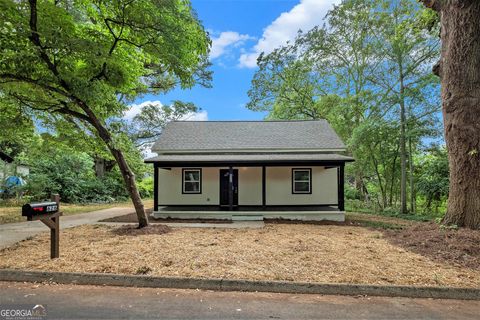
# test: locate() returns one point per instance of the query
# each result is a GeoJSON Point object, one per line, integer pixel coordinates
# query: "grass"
{"type": "Point", "coordinates": [378, 221]}
{"type": "Point", "coordinates": [10, 214]}
{"type": "Point", "coordinates": [379, 224]}
{"type": "Point", "coordinates": [394, 214]}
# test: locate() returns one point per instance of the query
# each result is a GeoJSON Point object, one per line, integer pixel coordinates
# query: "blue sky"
{"type": "Point", "coordinates": [240, 30]}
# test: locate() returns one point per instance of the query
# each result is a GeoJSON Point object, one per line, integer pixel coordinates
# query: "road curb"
{"type": "Point", "coordinates": [239, 285]}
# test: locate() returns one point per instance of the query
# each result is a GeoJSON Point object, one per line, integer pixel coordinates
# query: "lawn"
{"type": "Point", "coordinates": [280, 251]}
{"type": "Point", "coordinates": [9, 214]}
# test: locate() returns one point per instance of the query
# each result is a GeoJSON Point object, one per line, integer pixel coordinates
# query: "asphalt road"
{"type": "Point", "coordinates": [94, 302]}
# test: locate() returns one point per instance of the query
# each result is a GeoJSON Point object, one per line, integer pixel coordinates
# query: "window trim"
{"type": "Point", "coordinates": [199, 180]}
{"type": "Point", "coordinates": [309, 181]}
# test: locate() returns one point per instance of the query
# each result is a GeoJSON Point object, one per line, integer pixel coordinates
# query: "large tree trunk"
{"type": "Point", "coordinates": [459, 70]}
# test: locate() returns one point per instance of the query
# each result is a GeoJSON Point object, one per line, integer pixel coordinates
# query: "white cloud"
{"type": "Point", "coordinates": [305, 15]}
{"type": "Point", "coordinates": [135, 109]}
{"type": "Point", "coordinates": [225, 41]}
{"type": "Point", "coordinates": [201, 115]}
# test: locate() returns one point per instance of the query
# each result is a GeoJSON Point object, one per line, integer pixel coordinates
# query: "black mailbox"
{"type": "Point", "coordinates": [39, 208]}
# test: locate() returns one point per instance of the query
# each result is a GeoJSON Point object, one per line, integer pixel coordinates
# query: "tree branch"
{"type": "Point", "coordinates": [432, 4]}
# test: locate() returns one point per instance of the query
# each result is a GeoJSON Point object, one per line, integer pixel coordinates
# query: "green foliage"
{"type": "Point", "coordinates": [72, 176]}
{"type": "Point", "coordinates": [148, 124]}
{"type": "Point", "coordinates": [368, 85]}
{"type": "Point", "coordinates": [360, 206]}
{"type": "Point", "coordinates": [351, 193]}
{"type": "Point", "coordinates": [145, 187]}
{"type": "Point", "coordinates": [101, 49]}
{"type": "Point", "coordinates": [74, 66]}
{"type": "Point", "coordinates": [432, 181]}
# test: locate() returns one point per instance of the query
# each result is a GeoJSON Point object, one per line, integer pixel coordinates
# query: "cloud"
{"type": "Point", "coordinates": [305, 15]}
{"type": "Point", "coordinates": [225, 41]}
{"type": "Point", "coordinates": [135, 109]}
{"type": "Point", "coordinates": [201, 115]}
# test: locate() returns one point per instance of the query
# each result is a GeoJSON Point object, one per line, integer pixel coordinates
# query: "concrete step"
{"type": "Point", "coordinates": [245, 217]}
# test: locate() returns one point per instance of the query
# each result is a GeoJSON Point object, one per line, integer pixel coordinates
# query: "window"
{"type": "Point", "coordinates": [192, 181]}
{"type": "Point", "coordinates": [302, 180]}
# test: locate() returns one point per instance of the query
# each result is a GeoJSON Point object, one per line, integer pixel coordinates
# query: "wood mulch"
{"type": "Point", "coordinates": [129, 230]}
{"type": "Point", "coordinates": [292, 252]}
{"type": "Point", "coordinates": [132, 217]}
{"type": "Point", "coordinates": [458, 247]}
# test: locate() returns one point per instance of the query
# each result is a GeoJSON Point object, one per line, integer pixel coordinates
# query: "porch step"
{"type": "Point", "coordinates": [250, 217]}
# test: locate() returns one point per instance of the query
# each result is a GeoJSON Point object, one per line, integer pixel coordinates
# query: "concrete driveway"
{"type": "Point", "coordinates": [11, 233]}
{"type": "Point", "coordinates": [94, 302]}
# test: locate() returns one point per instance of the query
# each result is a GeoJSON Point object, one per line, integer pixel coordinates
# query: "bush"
{"type": "Point", "coordinates": [145, 187]}
{"type": "Point", "coordinates": [352, 193]}
{"type": "Point", "coordinates": [72, 176]}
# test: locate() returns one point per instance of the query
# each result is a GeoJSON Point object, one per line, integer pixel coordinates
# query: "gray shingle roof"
{"type": "Point", "coordinates": [249, 157]}
{"type": "Point", "coordinates": [224, 136]}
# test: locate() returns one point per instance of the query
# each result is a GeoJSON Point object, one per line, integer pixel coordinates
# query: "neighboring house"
{"type": "Point", "coordinates": [9, 168]}
{"type": "Point", "coordinates": [249, 170]}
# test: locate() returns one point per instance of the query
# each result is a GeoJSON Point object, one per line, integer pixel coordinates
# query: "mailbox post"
{"type": "Point", "coordinates": [48, 213]}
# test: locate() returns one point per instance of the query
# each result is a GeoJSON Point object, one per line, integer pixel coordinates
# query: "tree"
{"type": "Point", "coordinates": [433, 178]}
{"type": "Point", "coordinates": [407, 49]}
{"type": "Point", "coordinates": [148, 124]}
{"type": "Point", "coordinates": [375, 88]}
{"type": "Point", "coordinates": [459, 72]}
{"type": "Point", "coordinates": [323, 74]}
{"type": "Point", "coordinates": [82, 61]}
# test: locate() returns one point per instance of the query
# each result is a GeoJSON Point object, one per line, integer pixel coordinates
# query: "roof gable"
{"type": "Point", "coordinates": [234, 136]}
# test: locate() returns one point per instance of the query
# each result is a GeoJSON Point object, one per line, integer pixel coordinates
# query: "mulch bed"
{"type": "Point", "coordinates": [134, 231]}
{"type": "Point", "coordinates": [132, 217]}
{"type": "Point", "coordinates": [320, 223]}
{"type": "Point", "coordinates": [294, 252]}
{"type": "Point", "coordinates": [458, 247]}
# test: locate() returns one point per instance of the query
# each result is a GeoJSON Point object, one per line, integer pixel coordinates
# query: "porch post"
{"type": "Point", "coordinates": [155, 187]}
{"type": "Point", "coordinates": [230, 188]}
{"type": "Point", "coordinates": [341, 185]}
{"type": "Point", "coordinates": [264, 188]}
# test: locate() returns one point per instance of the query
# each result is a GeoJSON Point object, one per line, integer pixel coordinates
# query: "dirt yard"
{"type": "Point", "coordinates": [295, 252]}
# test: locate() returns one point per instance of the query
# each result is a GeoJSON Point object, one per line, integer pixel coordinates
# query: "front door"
{"type": "Point", "coordinates": [224, 183]}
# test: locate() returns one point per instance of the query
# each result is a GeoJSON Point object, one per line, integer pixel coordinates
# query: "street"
{"type": "Point", "coordinates": [96, 302]}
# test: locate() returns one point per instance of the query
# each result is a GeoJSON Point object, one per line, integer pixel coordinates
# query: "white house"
{"type": "Point", "coordinates": [9, 168]}
{"type": "Point", "coordinates": [249, 170]}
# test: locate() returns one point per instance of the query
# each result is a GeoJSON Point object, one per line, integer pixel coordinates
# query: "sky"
{"type": "Point", "coordinates": [240, 30]}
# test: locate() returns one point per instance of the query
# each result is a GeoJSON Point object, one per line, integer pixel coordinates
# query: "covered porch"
{"type": "Point", "coordinates": [250, 213]}
{"type": "Point", "coordinates": [250, 186]}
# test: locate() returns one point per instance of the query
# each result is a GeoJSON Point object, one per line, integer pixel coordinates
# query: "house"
{"type": "Point", "coordinates": [8, 167]}
{"type": "Point", "coordinates": [249, 170]}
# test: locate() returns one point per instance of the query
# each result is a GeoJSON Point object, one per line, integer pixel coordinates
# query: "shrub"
{"type": "Point", "coordinates": [145, 187]}
{"type": "Point", "coordinates": [72, 176]}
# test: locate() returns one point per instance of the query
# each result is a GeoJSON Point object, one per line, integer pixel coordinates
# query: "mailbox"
{"type": "Point", "coordinates": [39, 208]}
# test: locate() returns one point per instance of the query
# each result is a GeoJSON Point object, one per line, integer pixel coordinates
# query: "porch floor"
{"type": "Point", "coordinates": [247, 208]}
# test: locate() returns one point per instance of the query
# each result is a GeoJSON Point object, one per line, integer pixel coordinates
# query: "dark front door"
{"type": "Point", "coordinates": [224, 183]}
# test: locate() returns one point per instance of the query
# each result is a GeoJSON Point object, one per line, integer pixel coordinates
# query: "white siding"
{"type": "Point", "coordinates": [250, 186]}
{"type": "Point", "coordinates": [279, 187]}
{"type": "Point", "coordinates": [170, 188]}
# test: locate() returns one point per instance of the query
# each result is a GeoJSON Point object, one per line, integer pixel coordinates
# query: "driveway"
{"type": "Point", "coordinates": [94, 302]}
{"type": "Point", "coordinates": [11, 233]}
